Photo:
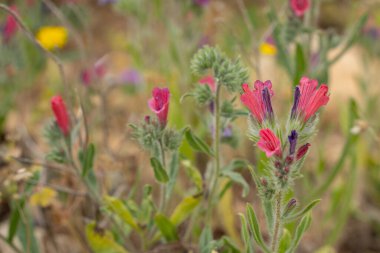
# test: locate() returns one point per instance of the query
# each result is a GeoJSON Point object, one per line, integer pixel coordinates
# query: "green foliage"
{"type": "Point", "coordinates": [197, 143]}
{"type": "Point", "coordinates": [166, 227]}
{"type": "Point", "coordinates": [159, 171]}
{"type": "Point", "coordinates": [118, 208]}
{"type": "Point", "coordinates": [102, 241]}
{"type": "Point", "coordinates": [230, 73]}
{"type": "Point", "coordinates": [184, 209]}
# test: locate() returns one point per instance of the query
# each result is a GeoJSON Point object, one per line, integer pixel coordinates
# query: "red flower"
{"type": "Point", "coordinates": [210, 81]}
{"type": "Point", "coordinates": [253, 99]}
{"type": "Point", "coordinates": [299, 7]}
{"type": "Point", "coordinates": [10, 26]}
{"type": "Point", "coordinates": [311, 98]}
{"type": "Point", "coordinates": [62, 117]}
{"type": "Point", "coordinates": [269, 143]}
{"type": "Point", "coordinates": [159, 104]}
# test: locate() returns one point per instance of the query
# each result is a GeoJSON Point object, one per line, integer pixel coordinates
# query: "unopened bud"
{"type": "Point", "coordinates": [289, 159]}
{"type": "Point", "coordinates": [302, 151]}
{"type": "Point", "coordinates": [264, 182]}
{"type": "Point", "coordinates": [147, 119]}
{"type": "Point", "coordinates": [277, 164]}
{"type": "Point", "coordinates": [290, 207]}
{"type": "Point", "coordinates": [286, 169]}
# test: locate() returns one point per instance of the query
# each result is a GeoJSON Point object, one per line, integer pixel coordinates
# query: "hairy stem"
{"type": "Point", "coordinates": [163, 199]}
{"type": "Point", "coordinates": [215, 178]}
{"type": "Point", "coordinates": [277, 223]}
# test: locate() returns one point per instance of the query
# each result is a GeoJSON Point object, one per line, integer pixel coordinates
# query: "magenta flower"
{"type": "Point", "coordinates": [159, 104]}
{"type": "Point", "coordinates": [60, 112]}
{"type": "Point", "coordinates": [308, 99]}
{"type": "Point", "coordinates": [210, 81]}
{"type": "Point", "coordinates": [10, 26]}
{"type": "Point", "coordinates": [299, 7]}
{"type": "Point", "coordinates": [258, 100]}
{"type": "Point", "coordinates": [269, 143]}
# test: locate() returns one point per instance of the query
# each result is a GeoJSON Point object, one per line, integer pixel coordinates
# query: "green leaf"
{"type": "Point", "coordinates": [300, 64]}
{"type": "Point", "coordinates": [302, 212]}
{"type": "Point", "coordinates": [269, 212]}
{"type": "Point", "coordinates": [166, 227]}
{"type": "Point", "coordinates": [173, 172]}
{"type": "Point", "coordinates": [88, 159]}
{"type": "Point", "coordinates": [159, 171]}
{"type": "Point", "coordinates": [184, 209]}
{"type": "Point", "coordinates": [230, 245]}
{"type": "Point", "coordinates": [25, 233]}
{"type": "Point", "coordinates": [255, 228]}
{"type": "Point", "coordinates": [117, 207]}
{"type": "Point", "coordinates": [248, 247]}
{"type": "Point", "coordinates": [236, 177]}
{"type": "Point", "coordinates": [193, 174]}
{"type": "Point", "coordinates": [102, 241]}
{"type": "Point", "coordinates": [300, 230]}
{"type": "Point", "coordinates": [196, 143]}
{"type": "Point", "coordinates": [15, 218]}
{"type": "Point", "coordinates": [205, 239]}
{"type": "Point", "coordinates": [285, 241]}
{"type": "Point", "coordinates": [236, 164]}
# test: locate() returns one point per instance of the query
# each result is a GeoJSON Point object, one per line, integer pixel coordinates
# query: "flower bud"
{"type": "Point", "coordinates": [159, 104]}
{"type": "Point", "coordinates": [302, 151]}
{"type": "Point", "coordinates": [290, 207]}
{"type": "Point", "coordinates": [60, 112]}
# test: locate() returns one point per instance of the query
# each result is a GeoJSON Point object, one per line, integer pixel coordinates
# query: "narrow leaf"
{"type": "Point", "coordinates": [196, 143]}
{"type": "Point", "coordinates": [300, 230]}
{"type": "Point", "coordinates": [236, 177]}
{"type": "Point", "coordinates": [117, 207]}
{"type": "Point", "coordinates": [102, 241]}
{"type": "Point", "coordinates": [184, 209]}
{"type": "Point", "coordinates": [255, 228]}
{"type": "Point", "coordinates": [248, 246]}
{"type": "Point", "coordinates": [166, 227]}
{"type": "Point", "coordinates": [285, 241]}
{"type": "Point", "coordinates": [159, 171]}
{"type": "Point", "coordinates": [88, 159]}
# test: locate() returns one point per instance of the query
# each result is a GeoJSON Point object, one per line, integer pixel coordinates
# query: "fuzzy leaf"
{"type": "Point", "coordinates": [248, 246]}
{"type": "Point", "coordinates": [184, 209]}
{"type": "Point", "coordinates": [197, 143]}
{"type": "Point", "coordinates": [255, 228]}
{"type": "Point", "coordinates": [300, 230]}
{"type": "Point", "coordinates": [300, 64]}
{"type": "Point", "coordinates": [285, 241]}
{"type": "Point", "coordinates": [166, 227]}
{"type": "Point", "coordinates": [159, 171]}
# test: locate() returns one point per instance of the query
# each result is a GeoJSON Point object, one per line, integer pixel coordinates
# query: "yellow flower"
{"type": "Point", "coordinates": [268, 49]}
{"type": "Point", "coordinates": [43, 197]}
{"type": "Point", "coordinates": [52, 37]}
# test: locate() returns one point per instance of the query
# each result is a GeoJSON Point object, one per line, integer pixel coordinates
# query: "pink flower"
{"type": "Point", "coordinates": [254, 100]}
{"type": "Point", "coordinates": [210, 81]}
{"type": "Point", "coordinates": [10, 26]}
{"type": "Point", "coordinates": [299, 7]}
{"type": "Point", "coordinates": [159, 104]}
{"type": "Point", "coordinates": [309, 98]}
{"type": "Point", "coordinates": [269, 143]}
{"type": "Point", "coordinates": [62, 117]}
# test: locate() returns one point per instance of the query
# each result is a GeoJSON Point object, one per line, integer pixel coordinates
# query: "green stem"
{"type": "Point", "coordinates": [163, 200]}
{"type": "Point", "coordinates": [277, 223]}
{"type": "Point", "coordinates": [215, 178]}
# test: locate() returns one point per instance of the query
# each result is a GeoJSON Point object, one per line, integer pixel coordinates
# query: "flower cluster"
{"type": "Point", "coordinates": [52, 37]}
{"type": "Point", "coordinates": [299, 7]}
{"type": "Point", "coordinates": [61, 115]}
{"type": "Point", "coordinates": [285, 162]}
{"type": "Point", "coordinates": [10, 26]}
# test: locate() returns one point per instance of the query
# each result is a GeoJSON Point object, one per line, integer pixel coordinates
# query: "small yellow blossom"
{"type": "Point", "coordinates": [268, 49]}
{"type": "Point", "coordinates": [43, 197]}
{"type": "Point", "coordinates": [51, 37]}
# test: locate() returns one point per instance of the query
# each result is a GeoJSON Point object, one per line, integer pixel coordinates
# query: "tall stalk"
{"type": "Point", "coordinates": [215, 176]}
{"type": "Point", "coordinates": [277, 223]}
{"type": "Point", "coordinates": [163, 200]}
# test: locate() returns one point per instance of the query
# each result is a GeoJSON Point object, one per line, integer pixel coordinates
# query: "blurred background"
{"type": "Point", "coordinates": [113, 52]}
